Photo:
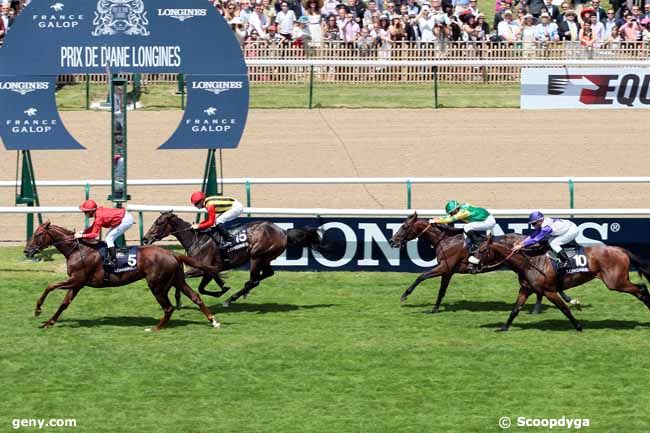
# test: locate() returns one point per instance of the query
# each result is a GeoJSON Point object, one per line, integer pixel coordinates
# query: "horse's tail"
{"type": "Point", "coordinates": [306, 237]}
{"type": "Point", "coordinates": [642, 266]}
{"type": "Point", "coordinates": [213, 271]}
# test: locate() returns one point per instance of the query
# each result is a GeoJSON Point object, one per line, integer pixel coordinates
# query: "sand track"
{"type": "Point", "coordinates": [383, 142]}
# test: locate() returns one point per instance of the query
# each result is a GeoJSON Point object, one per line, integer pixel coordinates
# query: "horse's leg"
{"type": "Point", "coordinates": [538, 304]}
{"type": "Point", "coordinates": [435, 272]}
{"type": "Point", "coordinates": [522, 296]}
{"type": "Point", "coordinates": [70, 283]}
{"type": "Point", "coordinates": [253, 281]}
{"type": "Point", "coordinates": [555, 298]}
{"type": "Point", "coordinates": [620, 281]}
{"type": "Point", "coordinates": [177, 298]}
{"type": "Point", "coordinates": [194, 273]}
{"type": "Point", "coordinates": [64, 304]}
{"type": "Point", "coordinates": [163, 299]}
{"type": "Point", "coordinates": [444, 283]}
{"type": "Point", "coordinates": [206, 280]}
{"type": "Point", "coordinates": [181, 284]}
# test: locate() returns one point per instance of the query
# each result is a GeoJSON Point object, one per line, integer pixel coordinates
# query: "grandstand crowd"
{"type": "Point", "coordinates": [398, 22]}
{"type": "Point", "coordinates": [387, 23]}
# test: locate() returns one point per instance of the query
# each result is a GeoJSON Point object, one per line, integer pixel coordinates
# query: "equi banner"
{"type": "Point", "coordinates": [361, 244]}
{"type": "Point", "coordinates": [591, 88]}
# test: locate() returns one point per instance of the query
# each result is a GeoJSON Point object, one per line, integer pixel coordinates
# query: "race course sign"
{"type": "Point", "coordinates": [361, 244]}
{"type": "Point", "coordinates": [591, 88]}
{"type": "Point", "coordinates": [52, 38]}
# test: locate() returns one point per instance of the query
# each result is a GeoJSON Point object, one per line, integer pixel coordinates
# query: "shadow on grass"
{"type": "Point", "coordinates": [264, 308]}
{"type": "Point", "coordinates": [482, 306]}
{"type": "Point", "coordinates": [131, 321]}
{"type": "Point", "coordinates": [565, 325]}
{"type": "Point", "coordinates": [31, 271]}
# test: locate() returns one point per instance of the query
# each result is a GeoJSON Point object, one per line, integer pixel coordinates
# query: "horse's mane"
{"type": "Point", "coordinates": [450, 230]}
{"type": "Point", "coordinates": [61, 229]}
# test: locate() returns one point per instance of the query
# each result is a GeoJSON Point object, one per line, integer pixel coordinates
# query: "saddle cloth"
{"type": "Point", "coordinates": [577, 259]}
{"type": "Point", "coordinates": [127, 258]}
{"type": "Point", "coordinates": [239, 235]}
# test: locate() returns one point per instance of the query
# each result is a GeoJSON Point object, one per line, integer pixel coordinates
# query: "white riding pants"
{"type": "Point", "coordinates": [116, 232]}
{"type": "Point", "coordinates": [481, 226]}
{"type": "Point", "coordinates": [562, 239]}
{"type": "Point", "coordinates": [231, 214]}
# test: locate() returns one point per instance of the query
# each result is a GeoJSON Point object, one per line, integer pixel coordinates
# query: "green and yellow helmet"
{"type": "Point", "coordinates": [451, 206]}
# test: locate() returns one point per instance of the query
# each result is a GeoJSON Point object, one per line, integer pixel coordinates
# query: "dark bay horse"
{"type": "Point", "coordinates": [451, 252]}
{"type": "Point", "coordinates": [537, 275]}
{"type": "Point", "coordinates": [161, 268]}
{"type": "Point", "coordinates": [266, 241]}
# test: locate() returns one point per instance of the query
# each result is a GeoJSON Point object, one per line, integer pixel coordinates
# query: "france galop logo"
{"type": "Point", "coordinates": [127, 17]}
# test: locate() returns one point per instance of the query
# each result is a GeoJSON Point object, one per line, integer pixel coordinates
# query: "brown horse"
{"type": "Point", "coordinates": [451, 253]}
{"type": "Point", "coordinates": [266, 241]}
{"type": "Point", "coordinates": [161, 268]}
{"type": "Point", "coordinates": [537, 274]}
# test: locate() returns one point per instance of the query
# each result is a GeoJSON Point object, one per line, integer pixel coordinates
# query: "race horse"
{"type": "Point", "coordinates": [451, 254]}
{"type": "Point", "coordinates": [266, 241]}
{"type": "Point", "coordinates": [538, 275]}
{"type": "Point", "coordinates": [161, 268]}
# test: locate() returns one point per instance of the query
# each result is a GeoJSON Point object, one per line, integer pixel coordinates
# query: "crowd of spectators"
{"type": "Point", "coordinates": [390, 22]}
{"type": "Point", "coordinates": [8, 12]}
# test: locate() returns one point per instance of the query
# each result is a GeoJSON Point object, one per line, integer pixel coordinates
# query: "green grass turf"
{"type": "Point", "coordinates": [163, 97]}
{"type": "Point", "coordinates": [319, 352]}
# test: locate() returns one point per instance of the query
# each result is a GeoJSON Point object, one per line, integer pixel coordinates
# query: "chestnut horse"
{"type": "Point", "coordinates": [537, 274]}
{"type": "Point", "coordinates": [266, 241]}
{"type": "Point", "coordinates": [161, 268]}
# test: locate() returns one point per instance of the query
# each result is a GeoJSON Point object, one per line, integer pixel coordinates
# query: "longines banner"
{"type": "Point", "coordinates": [53, 38]}
{"type": "Point", "coordinates": [591, 88]}
{"type": "Point", "coordinates": [361, 244]}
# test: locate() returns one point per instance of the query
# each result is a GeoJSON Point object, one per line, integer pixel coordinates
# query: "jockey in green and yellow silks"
{"type": "Point", "coordinates": [476, 219]}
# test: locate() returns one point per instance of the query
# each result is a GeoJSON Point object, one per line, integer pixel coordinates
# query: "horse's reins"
{"type": "Point", "coordinates": [496, 265]}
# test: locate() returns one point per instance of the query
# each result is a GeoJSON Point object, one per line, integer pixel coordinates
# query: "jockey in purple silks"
{"type": "Point", "coordinates": [559, 231]}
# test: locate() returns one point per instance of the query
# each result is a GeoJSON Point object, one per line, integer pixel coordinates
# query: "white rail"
{"type": "Point", "coordinates": [334, 212]}
{"type": "Point", "coordinates": [344, 180]}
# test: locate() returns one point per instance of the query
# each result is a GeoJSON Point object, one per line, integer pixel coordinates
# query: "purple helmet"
{"type": "Point", "coordinates": [535, 216]}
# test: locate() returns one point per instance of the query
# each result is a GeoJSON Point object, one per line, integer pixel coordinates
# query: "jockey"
{"type": "Point", "coordinates": [228, 208]}
{"type": "Point", "coordinates": [560, 231]}
{"type": "Point", "coordinates": [118, 220]}
{"type": "Point", "coordinates": [477, 219]}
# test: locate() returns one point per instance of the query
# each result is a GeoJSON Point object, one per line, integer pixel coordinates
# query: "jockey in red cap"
{"type": "Point", "coordinates": [118, 220]}
{"type": "Point", "coordinates": [227, 207]}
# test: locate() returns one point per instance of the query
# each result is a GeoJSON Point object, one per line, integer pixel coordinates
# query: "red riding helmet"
{"type": "Point", "coordinates": [88, 206]}
{"type": "Point", "coordinates": [197, 197]}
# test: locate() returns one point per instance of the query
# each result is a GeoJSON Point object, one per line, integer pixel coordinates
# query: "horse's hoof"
{"type": "Point", "coordinates": [503, 328]}
{"type": "Point", "coordinates": [226, 304]}
{"type": "Point", "coordinates": [579, 327]}
{"type": "Point", "coordinates": [46, 325]}
{"type": "Point", "coordinates": [435, 310]}
{"type": "Point", "coordinates": [37, 313]}
{"type": "Point", "coordinates": [535, 310]}
{"type": "Point", "coordinates": [215, 324]}
{"type": "Point", "coordinates": [402, 300]}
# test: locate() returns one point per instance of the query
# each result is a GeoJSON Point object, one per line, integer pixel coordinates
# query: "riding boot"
{"type": "Point", "coordinates": [112, 256]}
{"type": "Point", "coordinates": [564, 259]}
{"type": "Point", "coordinates": [225, 235]}
{"type": "Point", "coordinates": [475, 240]}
